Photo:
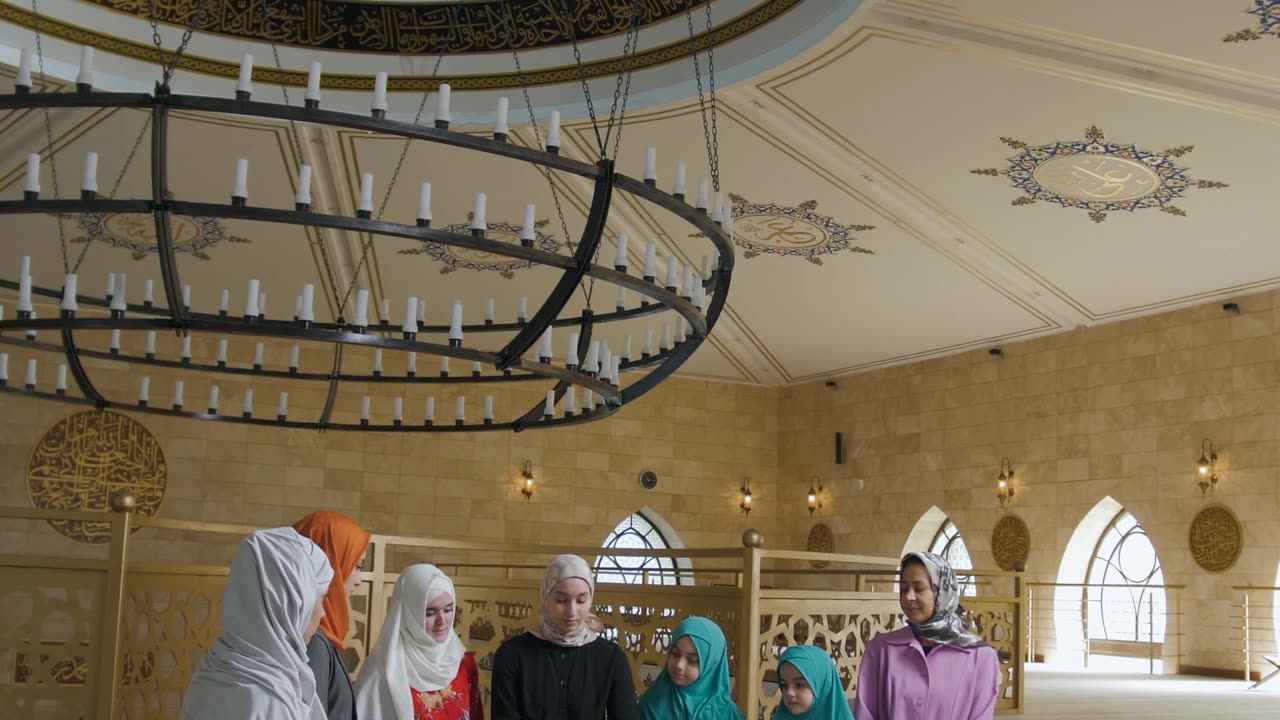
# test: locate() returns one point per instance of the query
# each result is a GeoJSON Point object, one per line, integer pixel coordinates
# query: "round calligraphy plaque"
{"type": "Point", "coordinates": [780, 231]}
{"type": "Point", "coordinates": [1096, 178]}
{"type": "Point", "coordinates": [1216, 538]}
{"type": "Point", "coordinates": [85, 458]}
{"type": "Point", "coordinates": [1011, 543]}
{"type": "Point", "coordinates": [821, 539]}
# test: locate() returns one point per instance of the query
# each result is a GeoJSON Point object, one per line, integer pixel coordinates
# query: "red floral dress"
{"type": "Point", "coordinates": [459, 700]}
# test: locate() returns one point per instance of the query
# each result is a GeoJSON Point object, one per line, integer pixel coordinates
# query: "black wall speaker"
{"type": "Point", "coordinates": [839, 448]}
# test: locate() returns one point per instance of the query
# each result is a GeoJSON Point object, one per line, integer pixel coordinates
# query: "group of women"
{"type": "Point", "coordinates": [286, 613]}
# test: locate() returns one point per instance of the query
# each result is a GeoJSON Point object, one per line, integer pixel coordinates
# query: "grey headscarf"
{"type": "Point", "coordinates": [948, 625]}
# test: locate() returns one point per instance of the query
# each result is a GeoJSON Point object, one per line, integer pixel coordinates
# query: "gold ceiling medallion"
{"type": "Point", "coordinates": [407, 27]}
{"type": "Point", "coordinates": [1011, 543]}
{"type": "Point", "coordinates": [1097, 175]}
{"type": "Point", "coordinates": [823, 540]}
{"type": "Point", "coordinates": [137, 233]}
{"type": "Point", "coordinates": [85, 458]}
{"type": "Point", "coordinates": [793, 231]}
{"type": "Point", "coordinates": [463, 258]}
{"type": "Point", "coordinates": [1216, 538]}
{"type": "Point", "coordinates": [1268, 12]}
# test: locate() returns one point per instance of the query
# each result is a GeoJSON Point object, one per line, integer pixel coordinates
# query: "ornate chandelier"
{"type": "Point", "coordinates": [586, 378]}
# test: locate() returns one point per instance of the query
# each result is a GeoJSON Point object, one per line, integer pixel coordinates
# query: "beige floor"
{"type": "Point", "coordinates": [1055, 694]}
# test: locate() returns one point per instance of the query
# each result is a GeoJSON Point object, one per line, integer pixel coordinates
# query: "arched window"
{"type": "Point", "coordinates": [637, 532]}
{"type": "Point", "coordinates": [948, 543]}
{"type": "Point", "coordinates": [1123, 605]}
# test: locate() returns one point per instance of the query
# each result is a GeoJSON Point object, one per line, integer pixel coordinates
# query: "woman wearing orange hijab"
{"type": "Point", "coordinates": [344, 543]}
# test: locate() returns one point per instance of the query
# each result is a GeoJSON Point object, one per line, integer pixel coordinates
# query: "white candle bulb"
{"type": "Point", "coordinates": [686, 287]}
{"type": "Point", "coordinates": [455, 323]}
{"type": "Point", "coordinates": [313, 83]}
{"type": "Point", "coordinates": [544, 347]}
{"type": "Point", "coordinates": [570, 399]}
{"type": "Point", "coordinates": [384, 310]}
{"type": "Point", "coordinates": [477, 216]}
{"type": "Point", "coordinates": [148, 294]}
{"type": "Point", "coordinates": [151, 342]}
{"type": "Point", "coordinates": [365, 203]}
{"type": "Point", "coordinates": [247, 407]}
{"type": "Point", "coordinates": [364, 409]}
{"type": "Point", "coordinates": [701, 201]}
{"type": "Point", "coordinates": [410, 316]}
{"type": "Point", "coordinates": [283, 409]}
{"type": "Point", "coordinates": [488, 310]}
{"type": "Point", "coordinates": [68, 292]}
{"type": "Point", "coordinates": [553, 129]}
{"type": "Point", "coordinates": [377, 361]}
{"type": "Point", "coordinates": [673, 271]}
{"type": "Point", "coordinates": [25, 265]}
{"type": "Point", "coordinates": [606, 362]}
{"type": "Point", "coordinates": [593, 357]}
{"type": "Point", "coordinates": [523, 312]}
{"type": "Point", "coordinates": [679, 329]}
{"type": "Point", "coordinates": [475, 368]}
{"type": "Point", "coordinates": [444, 366]}
{"type": "Point", "coordinates": [186, 346]}
{"type": "Point", "coordinates": [293, 357]}
{"type": "Point", "coordinates": [297, 306]}
{"type": "Point", "coordinates": [114, 343]}
{"type": "Point", "coordinates": [33, 173]}
{"type": "Point", "coordinates": [549, 407]}
{"type": "Point", "coordinates": [500, 125]}
{"type": "Point", "coordinates": [178, 390]}
{"type": "Point", "coordinates": [380, 91]}
{"type": "Point", "coordinates": [422, 311]}
{"type": "Point", "coordinates": [411, 363]}
{"type": "Point", "coordinates": [706, 268]}
{"type": "Point", "coordinates": [651, 163]}
{"type": "Point", "coordinates": [586, 400]}
{"type": "Point", "coordinates": [240, 188]}
{"type": "Point", "coordinates": [621, 303]}
{"type": "Point", "coordinates": [222, 351]}
{"type": "Point", "coordinates": [626, 348]}
{"type": "Point", "coordinates": [24, 69]}
{"type": "Point", "coordinates": [460, 409]}
{"type": "Point", "coordinates": [186, 296]}
{"type": "Point", "coordinates": [4, 368]}
{"type": "Point", "coordinates": [716, 205]}
{"type": "Point", "coordinates": [144, 390]}
{"type": "Point", "coordinates": [90, 181]}
{"type": "Point", "coordinates": [613, 371]}
{"type": "Point", "coordinates": [442, 103]}
{"type": "Point", "coordinates": [424, 201]}
{"type": "Point", "coordinates": [361, 317]}
{"type": "Point", "coordinates": [678, 188]}
{"type": "Point", "coordinates": [726, 222]}
{"type": "Point", "coordinates": [244, 84]}
{"type": "Point", "coordinates": [308, 313]}
{"type": "Point", "coordinates": [397, 409]}
{"type": "Point", "coordinates": [61, 384]}
{"type": "Point", "coordinates": [650, 259]}
{"type": "Point", "coordinates": [262, 304]}
{"type": "Point", "coordinates": [119, 300]}
{"type": "Point", "coordinates": [258, 350]}
{"type": "Point", "coordinates": [430, 414]}
{"type": "Point", "coordinates": [85, 76]}
{"type": "Point", "coordinates": [620, 258]}
{"type": "Point", "coordinates": [111, 284]}
{"type": "Point", "coordinates": [303, 196]}
{"type": "Point", "coordinates": [213, 399]}
{"type": "Point", "coordinates": [251, 299]}
{"type": "Point", "coordinates": [30, 379]}
{"type": "Point", "coordinates": [665, 341]}
{"type": "Point", "coordinates": [530, 229]}
{"type": "Point", "coordinates": [571, 353]}
{"type": "Point", "coordinates": [488, 408]}
{"type": "Point", "coordinates": [224, 301]}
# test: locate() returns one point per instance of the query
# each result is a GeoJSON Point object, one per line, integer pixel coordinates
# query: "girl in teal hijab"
{"type": "Point", "coordinates": [694, 684]}
{"type": "Point", "coordinates": [810, 686]}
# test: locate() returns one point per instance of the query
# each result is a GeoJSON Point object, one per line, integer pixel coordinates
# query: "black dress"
{"type": "Point", "coordinates": [333, 684]}
{"type": "Point", "coordinates": [537, 680]}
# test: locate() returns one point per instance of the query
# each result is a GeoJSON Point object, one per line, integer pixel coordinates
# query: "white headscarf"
{"type": "Point", "coordinates": [258, 667]}
{"type": "Point", "coordinates": [561, 568]}
{"type": "Point", "coordinates": [405, 655]}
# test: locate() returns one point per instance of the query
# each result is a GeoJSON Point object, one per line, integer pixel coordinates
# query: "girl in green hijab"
{"type": "Point", "coordinates": [810, 686]}
{"type": "Point", "coordinates": [694, 684]}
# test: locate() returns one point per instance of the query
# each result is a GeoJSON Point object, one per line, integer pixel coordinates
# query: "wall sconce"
{"type": "Point", "coordinates": [815, 495]}
{"type": "Point", "coordinates": [526, 474]}
{"type": "Point", "coordinates": [1207, 475]}
{"type": "Point", "coordinates": [745, 502]}
{"type": "Point", "coordinates": [1004, 482]}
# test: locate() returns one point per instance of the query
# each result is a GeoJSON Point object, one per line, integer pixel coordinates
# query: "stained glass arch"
{"type": "Point", "coordinates": [1126, 597]}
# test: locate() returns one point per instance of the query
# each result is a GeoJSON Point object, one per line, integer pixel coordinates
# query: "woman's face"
{"type": "Point", "coordinates": [796, 693]}
{"type": "Point", "coordinates": [915, 595]}
{"type": "Point", "coordinates": [569, 604]}
{"type": "Point", "coordinates": [313, 622]}
{"type": "Point", "coordinates": [353, 580]}
{"type": "Point", "coordinates": [682, 662]}
{"type": "Point", "coordinates": [440, 617]}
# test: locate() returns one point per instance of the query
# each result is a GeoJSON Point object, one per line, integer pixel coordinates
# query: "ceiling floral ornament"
{"type": "Point", "coordinates": [1097, 175]}
{"type": "Point", "coordinates": [137, 233]}
{"type": "Point", "coordinates": [1268, 12]}
{"type": "Point", "coordinates": [462, 258]}
{"type": "Point", "coordinates": [800, 231]}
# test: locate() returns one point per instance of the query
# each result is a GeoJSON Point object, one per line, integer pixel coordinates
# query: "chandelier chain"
{"type": "Point", "coordinates": [48, 134]}
{"type": "Point", "coordinates": [172, 65]}
{"type": "Point", "coordinates": [708, 128]}
{"type": "Point", "coordinates": [623, 90]}
{"type": "Point", "coordinates": [582, 75]}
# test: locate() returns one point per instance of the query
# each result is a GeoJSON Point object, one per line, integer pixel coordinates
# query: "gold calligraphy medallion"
{"type": "Point", "coordinates": [1216, 538]}
{"type": "Point", "coordinates": [768, 228]}
{"type": "Point", "coordinates": [85, 458]}
{"type": "Point", "coordinates": [1011, 543]}
{"type": "Point", "coordinates": [454, 258]}
{"type": "Point", "coordinates": [137, 233]}
{"type": "Point", "coordinates": [1096, 177]}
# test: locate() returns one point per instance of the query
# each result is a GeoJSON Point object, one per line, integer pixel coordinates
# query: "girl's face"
{"type": "Point", "coordinates": [440, 617]}
{"type": "Point", "coordinates": [569, 604]}
{"type": "Point", "coordinates": [353, 580]}
{"type": "Point", "coordinates": [682, 662]}
{"type": "Point", "coordinates": [915, 595]}
{"type": "Point", "coordinates": [313, 622]}
{"type": "Point", "coordinates": [796, 693]}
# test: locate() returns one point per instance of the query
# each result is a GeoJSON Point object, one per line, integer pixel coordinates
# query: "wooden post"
{"type": "Point", "coordinates": [748, 660]}
{"type": "Point", "coordinates": [106, 674]}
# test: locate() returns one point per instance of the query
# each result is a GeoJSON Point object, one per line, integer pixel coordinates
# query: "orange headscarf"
{"type": "Point", "coordinates": [344, 542]}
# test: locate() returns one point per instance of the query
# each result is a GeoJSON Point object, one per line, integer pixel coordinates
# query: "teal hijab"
{"type": "Point", "coordinates": [829, 702]}
{"type": "Point", "coordinates": [706, 698]}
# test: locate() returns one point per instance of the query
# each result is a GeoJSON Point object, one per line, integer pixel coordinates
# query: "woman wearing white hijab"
{"type": "Point", "coordinates": [418, 669]}
{"type": "Point", "coordinates": [562, 669]}
{"type": "Point", "coordinates": [257, 669]}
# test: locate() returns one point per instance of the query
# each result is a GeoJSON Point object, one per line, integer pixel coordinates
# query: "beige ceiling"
{"type": "Point", "coordinates": [879, 124]}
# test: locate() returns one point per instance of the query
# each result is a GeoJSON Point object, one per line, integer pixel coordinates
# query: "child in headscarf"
{"type": "Point", "coordinates": [257, 668]}
{"type": "Point", "coordinates": [694, 684]}
{"type": "Point", "coordinates": [418, 669]}
{"type": "Point", "coordinates": [561, 667]}
{"type": "Point", "coordinates": [935, 668]}
{"type": "Point", "coordinates": [344, 543]}
{"type": "Point", "coordinates": [810, 686]}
